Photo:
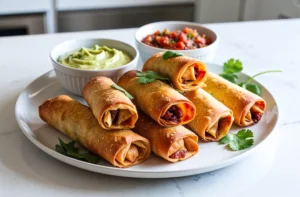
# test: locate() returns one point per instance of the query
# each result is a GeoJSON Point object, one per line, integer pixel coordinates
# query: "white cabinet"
{"type": "Point", "coordinates": [216, 11]}
{"type": "Point", "coordinates": [271, 9]}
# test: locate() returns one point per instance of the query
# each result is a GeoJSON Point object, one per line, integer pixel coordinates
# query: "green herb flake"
{"type": "Point", "coordinates": [232, 66]}
{"type": "Point", "coordinates": [190, 35]}
{"type": "Point", "coordinates": [180, 91]}
{"type": "Point", "coordinates": [170, 54]}
{"type": "Point", "coordinates": [149, 76]}
{"type": "Point", "coordinates": [69, 149]}
{"type": "Point", "coordinates": [240, 141]}
{"type": "Point", "coordinates": [115, 86]}
{"type": "Point", "coordinates": [254, 88]}
{"type": "Point", "coordinates": [230, 77]}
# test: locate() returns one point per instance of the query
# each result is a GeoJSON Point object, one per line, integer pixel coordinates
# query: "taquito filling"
{"type": "Point", "coordinates": [219, 127]}
{"type": "Point", "coordinates": [173, 114]}
{"type": "Point", "coordinates": [183, 148]}
{"type": "Point", "coordinates": [131, 153]}
{"type": "Point", "coordinates": [117, 117]}
{"type": "Point", "coordinates": [178, 150]}
{"type": "Point", "coordinates": [191, 74]}
{"type": "Point", "coordinates": [255, 113]}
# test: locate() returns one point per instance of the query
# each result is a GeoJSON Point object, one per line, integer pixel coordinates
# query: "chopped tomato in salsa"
{"type": "Point", "coordinates": [177, 40]}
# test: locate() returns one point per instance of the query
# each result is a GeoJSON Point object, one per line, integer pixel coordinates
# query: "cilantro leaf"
{"type": "Point", "coordinates": [232, 66]}
{"type": "Point", "coordinates": [252, 88]}
{"type": "Point", "coordinates": [242, 140]}
{"type": "Point", "coordinates": [230, 70]}
{"type": "Point", "coordinates": [149, 76]}
{"type": "Point", "coordinates": [170, 54]}
{"type": "Point", "coordinates": [70, 150]}
{"type": "Point", "coordinates": [89, 157]}
{"type": "Point", "coordinates": [256, 89]}
{"type": "Point", "coordinates": [230, 77]}
{"type": "Point", "coordinates": [115, 86]}
{"type": "Point", "coordinates": [60, 149]}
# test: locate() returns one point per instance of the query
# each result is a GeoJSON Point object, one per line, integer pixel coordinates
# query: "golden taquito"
{"type": "Point", "coordinates": [247, 107]}
{"type": "Point", "coordinates": [111, 107]}
{"type": "Point", "coordinates": [122, 148]}
{"type": "Point", "coordinates": [185, 73]}
{"type": "Point", "coordinates": [213, 119]}
{"type": "Point", "coordinates": [158, 100]}
{"type": "Point", "coordinates": [171, 143]}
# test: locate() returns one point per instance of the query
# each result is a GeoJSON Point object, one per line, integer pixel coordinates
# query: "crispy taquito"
{"type": "Point", "coordinates": [185, 73]}
{"type": "Point", "coordinates": [122, 148]}
{"type": "Point", "coordinates": [111, 107]}
{"type": "Point", "coordinates": [247, 107]}
{"type": "Point", "coordinates": [158, 100]}
{"type": "Point", "coordinates": [171, 143]}
{"type": "Point", "coordinates": [213, 119]}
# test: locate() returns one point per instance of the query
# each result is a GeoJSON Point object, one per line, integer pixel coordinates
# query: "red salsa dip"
{"type": "Point", "coordinates": [184, 39]}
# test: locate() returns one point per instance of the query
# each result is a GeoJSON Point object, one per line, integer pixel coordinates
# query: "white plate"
{"type": "Point", "coordinates": [211, 156]}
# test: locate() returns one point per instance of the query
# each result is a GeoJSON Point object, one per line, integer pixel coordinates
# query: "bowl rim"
{"type": "Point", "coordinates": [177, 22]}
{"type": "Point", "coordinates": [87, 70]}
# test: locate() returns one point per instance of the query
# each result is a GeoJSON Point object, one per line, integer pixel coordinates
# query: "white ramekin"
{"type": "Point", "coordinates": [204, 54]}
{"type": "Point", "coordinates": [73, 79]}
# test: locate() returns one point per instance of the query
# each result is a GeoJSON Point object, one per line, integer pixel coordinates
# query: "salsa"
{"type": "Point", "coordinates": [184, 39]}
{"type": "Point", "coordinates": [96, 58]}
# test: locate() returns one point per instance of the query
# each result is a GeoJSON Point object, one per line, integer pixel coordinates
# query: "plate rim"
{"type": "Point", "coordinates": [135, 173]}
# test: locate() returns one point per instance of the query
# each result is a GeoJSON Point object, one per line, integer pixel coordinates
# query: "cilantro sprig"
{"type": "Point", "coordinates": [69, 149]}
{"type": "Point", "coordinates": [170, 54]}
{"type": "Point", "coordinates": [115, 86]}
{"type": "Point", "coordinates": [240, 141]}
{"type": "Point", "coordinates": [253, 87]}
{"type": "Point", "coordinates": [233, 67]}
{"type": "Point", "coordinates": [149, 76]}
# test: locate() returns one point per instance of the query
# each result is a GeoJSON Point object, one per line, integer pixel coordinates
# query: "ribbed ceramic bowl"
{"type": "Point", "coordinates": [73, 79]}
{"type": "Point", "coordinates": [204, 54]}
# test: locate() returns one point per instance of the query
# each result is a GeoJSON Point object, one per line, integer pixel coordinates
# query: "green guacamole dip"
{"type": "Point", "coordinates": [96, 58]}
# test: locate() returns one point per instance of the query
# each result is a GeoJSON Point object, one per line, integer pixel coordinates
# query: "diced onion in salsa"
{"type": "Point", "coordinates": [184, 39]}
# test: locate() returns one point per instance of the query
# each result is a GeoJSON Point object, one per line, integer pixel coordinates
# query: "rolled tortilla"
{"type": "Point", "coordinates": [185, 73]}
{"type": "Point", "coordinates": [171, 143]}
{"type": "Point", "coordinates": [247, 107]}
{"type": "Point", "coordinates": [111, 107]}
{"type": "Point", "coordinates": [158, 100]}
{"type": "Point", "coordinates": [122, 148]}
{"type": "Point", "coordinates": [213, 119]}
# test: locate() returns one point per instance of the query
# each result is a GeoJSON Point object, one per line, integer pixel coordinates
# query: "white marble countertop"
{"type": "Point", "coordinates": [272, 171]}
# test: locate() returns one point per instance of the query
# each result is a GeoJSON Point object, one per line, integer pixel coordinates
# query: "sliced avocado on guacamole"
{"type": "Point", "coordinates": [96, 58]}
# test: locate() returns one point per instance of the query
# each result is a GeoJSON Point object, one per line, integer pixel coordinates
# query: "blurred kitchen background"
{"type": "Point", "coordinates": [24, 17]}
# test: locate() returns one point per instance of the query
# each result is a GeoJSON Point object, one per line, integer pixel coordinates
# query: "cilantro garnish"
{"type": "Point", "coordinates": [115, 86]}
{"type": "Point", "coordinates": [232, 77]}
{"type": "Point", "coordinates": [170, 54]}
{"type": "Point", "coordinates": [242, 140]}
{"type": "Point", "coordinates": [149, 76]}
{"type": "Point", "coordinates": [232, 67]}
{"type": "Point", "coordinates": [70, 150]}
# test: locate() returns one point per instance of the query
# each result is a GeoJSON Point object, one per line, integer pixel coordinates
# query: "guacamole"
{"type": "Point", "coordinates": [96, 58]}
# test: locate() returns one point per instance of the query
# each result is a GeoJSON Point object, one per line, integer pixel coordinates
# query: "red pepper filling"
{"type": "Point", "coordinates": [178, 154]}
{"type": "Point", "coordinates": [197, 75]}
